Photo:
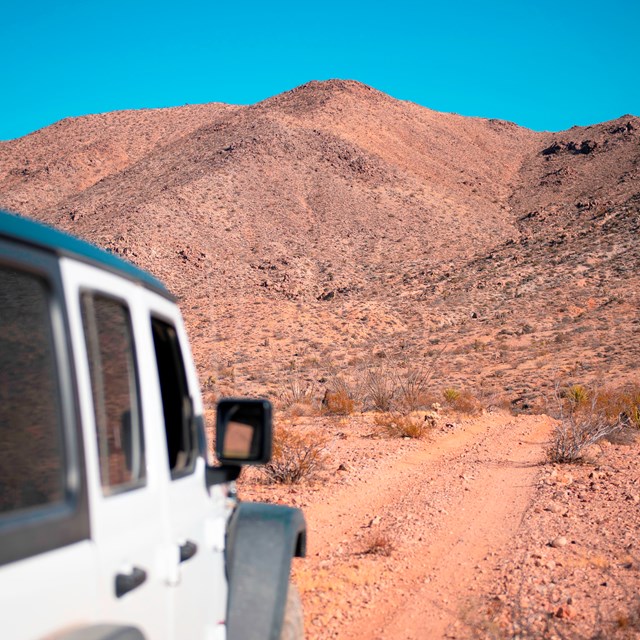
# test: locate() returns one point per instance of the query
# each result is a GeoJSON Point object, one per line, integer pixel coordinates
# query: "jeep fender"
{"type": "Point", "coordinates": [261, 540]}
{"type": "Point", "coordinates": [101, 632]}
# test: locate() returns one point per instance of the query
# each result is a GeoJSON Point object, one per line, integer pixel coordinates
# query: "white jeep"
{"type": "Point", "coordinates": [112, 524]}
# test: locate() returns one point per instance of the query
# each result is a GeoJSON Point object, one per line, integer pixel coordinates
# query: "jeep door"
{"type": "Point", "coordinates": [47, 560]}
{"type": "Point", "coordinates": [126, 483]}
{"type": "Point", "coordinates": [197, 515]}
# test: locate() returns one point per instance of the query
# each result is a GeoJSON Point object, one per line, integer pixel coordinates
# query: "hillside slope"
{"type": "Point", "coordinates": [307, 233]}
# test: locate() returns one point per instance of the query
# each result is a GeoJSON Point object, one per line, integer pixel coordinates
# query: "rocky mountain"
{"type": "Point", "coordinates": [332, 227]}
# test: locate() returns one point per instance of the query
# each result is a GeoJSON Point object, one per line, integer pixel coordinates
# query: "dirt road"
{"type": "Point", "coordinates": [403, 549]}
{"type": "Point", "coordinates": [455, 536]}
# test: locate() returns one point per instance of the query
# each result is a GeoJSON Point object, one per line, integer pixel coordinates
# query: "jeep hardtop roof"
{"type": "Point", "coordinates": [38, 235]}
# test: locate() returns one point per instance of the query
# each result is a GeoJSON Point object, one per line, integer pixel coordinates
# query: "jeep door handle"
{"type": "Point", "coordinates": [188, 550]}
{"type": "Point", "coordinates": [126, 582]}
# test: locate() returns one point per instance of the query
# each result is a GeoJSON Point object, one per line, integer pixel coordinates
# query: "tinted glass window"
{"type": "Point", "coordinates": [114, 386]}
{"type": "Point", "coordinates": [176, 403]}
{"type": "Point", "coordinates": [31, 443]}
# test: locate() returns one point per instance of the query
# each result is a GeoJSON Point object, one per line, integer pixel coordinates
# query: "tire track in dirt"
{"type": "Point", "coordinates": [446, 512]}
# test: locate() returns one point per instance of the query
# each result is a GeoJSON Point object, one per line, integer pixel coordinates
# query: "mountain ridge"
{"type": "Point", "coordinates": [303, 214]}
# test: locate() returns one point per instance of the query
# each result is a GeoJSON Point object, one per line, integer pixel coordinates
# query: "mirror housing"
{"type": "Point", "coordinates": [243, 431]}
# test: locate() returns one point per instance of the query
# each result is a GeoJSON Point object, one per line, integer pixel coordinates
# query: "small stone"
{"type": "Point", "coordinates": [565, 478]}
{"type": "Point", "coordinates": [554, 508]}
{"type": "Point", "coordinates": [565, 611]}
{"type": "Point", "coordinates": [558, 542]}
{"type": "Point", "coordinates": [343, 467]}
{"type": "Point", "coordinates": [375, 521]}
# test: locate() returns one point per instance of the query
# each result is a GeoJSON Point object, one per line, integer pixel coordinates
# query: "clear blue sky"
{"type": "Point", "coordinates": [543, 64]}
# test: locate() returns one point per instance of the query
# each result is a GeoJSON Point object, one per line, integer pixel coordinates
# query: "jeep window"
{"type": "Point", "coordinates": [109, 341]}
{"type": "Point", "coordinates": [179, 423]}
{"type": "Point", "coordinates": [32, 460]}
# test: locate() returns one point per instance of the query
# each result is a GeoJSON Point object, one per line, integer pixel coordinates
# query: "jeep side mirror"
{"type": "Point", "coordinates": [243, 431]}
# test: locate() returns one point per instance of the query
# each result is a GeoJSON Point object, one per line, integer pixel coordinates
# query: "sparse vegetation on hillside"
{"type": "Point", "coordinates": [288, 245]}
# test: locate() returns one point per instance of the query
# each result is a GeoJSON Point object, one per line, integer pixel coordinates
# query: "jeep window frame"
{"type": "Point", "coordinates": [176, 358]}
{"type": "Point", "coordinates": [43, 528]}
{"type": "Point", "coordinates": [141, 480]}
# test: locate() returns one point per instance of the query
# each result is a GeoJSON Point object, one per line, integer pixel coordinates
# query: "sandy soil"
{"type": "Point", "coordinates": [445, 537]}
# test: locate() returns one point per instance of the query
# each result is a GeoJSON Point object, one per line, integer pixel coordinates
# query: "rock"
{"type": "Point", "coordinates": [559, 542]}
{"type": "Point", "coordinates": [554, 508]}
{"type": "Point", "coordinates": [343, 467]}
{"type": "Point", "coordinates": [565, 478]}
{"type": "Point", "coordinates": [376, 520]}
{"type": "Point", "coordinates": [565, 611]}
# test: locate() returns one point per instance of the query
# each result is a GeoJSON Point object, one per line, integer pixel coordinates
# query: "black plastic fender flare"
{"type": "Point", "coordinates": [101, 632]}
{"type": "Point", "coordinates": [261, 541]}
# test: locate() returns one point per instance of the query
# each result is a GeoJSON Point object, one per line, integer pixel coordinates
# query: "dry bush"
{"type": "Point", "coordinates": [617, 404]}
{"type": "Point", "coordinates": [405, 388]}
{"type": "Point", "coordinates": [399, 425]}
{"type": "Point", "coordinates": [462, 401]}
{"type": "Point", "coordinates": [468, 404]}
{"type": "Point", "coordinates": [379, 544]}
{"type": "Point", "coordinates": [298, 410]}
{"type": "Point", "coordinates": [414, 387]}
{"type": "Point", "coordinates": [297, 455]}
{"type": "Point", "coordinates": [581, 424]}
{"type": "Point", "coordinates": [297, 392]}
{"type": "Point", "coordinates": [339, 398]}
{"type": "Point", "coordinates": [630, 400]}
{"type": "Point", "coordinates": [379, 388]}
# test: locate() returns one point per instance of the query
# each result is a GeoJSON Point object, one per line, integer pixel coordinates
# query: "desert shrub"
{"type": "Point", "coordinates": [610, 402]}
{"type": "Point", "coordinates": [450, 395]}
{"type": "Point", "coordinates": [631, 405]}
{"type": "Point", "coordinates": [620, 404]}
{"type": "Point", "coordinates": [297, 455]}
{"type": "Point", "coordinates": [338, 403]}
{"type": "Point", "coordinates": [577, 395]}
{"type": "Point", "coordinates": [339, 398]}
{"type": "Point", "coordinates": [399, 425]}
{"type": "Point", "coordinates": [296, 392]}
{"type": "Point", "coordinates": [298, 410]}
{"type": "Point", "coordinates": [467, 403]}
{"type": "Point", "coordinates": [413, 388]}
{"type": "Point", "coordinates": [227, 372]}
{"type": "Point", "coordinates": [581, 423]}
{"type": "Point", "coordinates": [462, 401]}
{"type": "Point", "coordinates": [379, 388]}
{"type": "Point", "coordinates": [379, 543]}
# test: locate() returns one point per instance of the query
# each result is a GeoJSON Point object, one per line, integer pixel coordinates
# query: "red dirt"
{"type": "Point", "coordinates": [456, 514]}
